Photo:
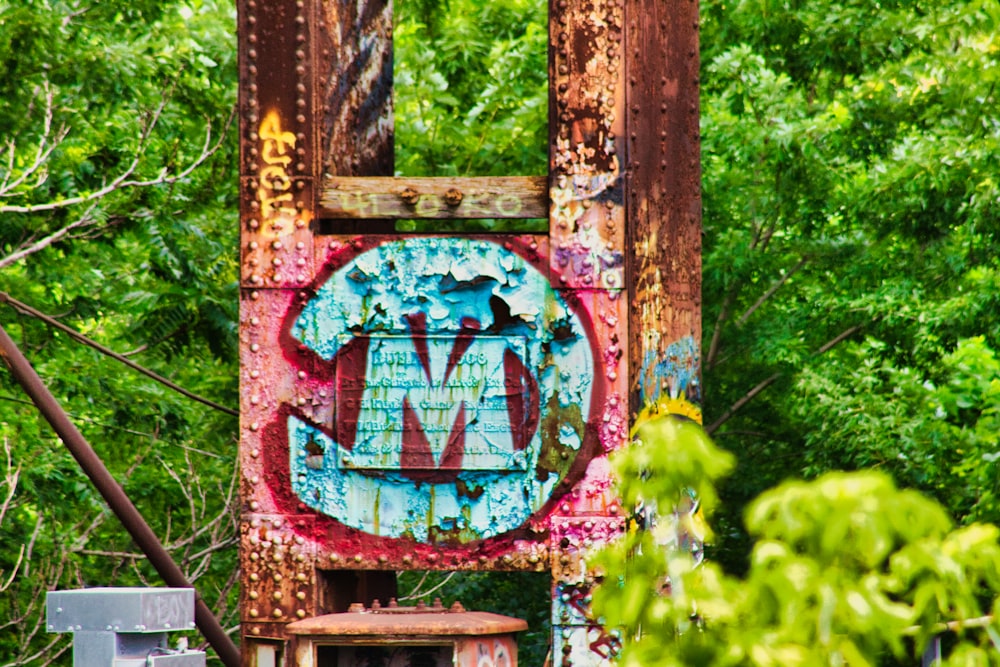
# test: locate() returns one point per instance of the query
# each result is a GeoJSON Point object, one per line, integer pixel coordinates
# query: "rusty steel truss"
{"type": "Point", "coordinates": [443, 402]}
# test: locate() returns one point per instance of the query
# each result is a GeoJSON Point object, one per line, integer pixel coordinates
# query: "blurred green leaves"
{"type": "Point", "coordinates": [845, 569]}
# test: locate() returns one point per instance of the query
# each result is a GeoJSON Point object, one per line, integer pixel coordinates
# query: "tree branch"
{"type": "Point", "coordinates": [769, 293]}
{"type": "Point", "coordinates": [764, 384]}
{"type": "Point", "coordinates": [746, 398]}
{"type": "Point", "coordinates": [80, 338]}
{"type": "Point", "coordinates": [124, 180]}
{"type": "Point", "coordinates": [86, 220]}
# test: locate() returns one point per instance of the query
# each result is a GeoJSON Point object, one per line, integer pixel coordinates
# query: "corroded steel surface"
{"type": "Point", "coordinates": [277, 142]}
{"type": "Point", "coordinates": [586, 123]}
{"type": "Point", "coordinates": [430, 399]}
{"type": "Point", "coordinates": [664, 206]}
{"type": "Point", "coordinates": [420, 621]}
{"type": "Point", "coordinates": [278, 577]}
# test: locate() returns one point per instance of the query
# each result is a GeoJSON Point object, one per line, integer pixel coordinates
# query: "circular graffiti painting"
{"type": "Point", "coordinates": [462, 383]}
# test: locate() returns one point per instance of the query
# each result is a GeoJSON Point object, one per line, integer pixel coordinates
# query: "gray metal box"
{"type": "Point", "coordinates": [113, 649]}
{"type": "Point", "coordinates": [120, 610]}
{"type": "Point", "coordinates": [186, 659]}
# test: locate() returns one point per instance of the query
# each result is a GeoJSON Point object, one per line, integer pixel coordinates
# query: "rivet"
{"type": "Point", "coordinates": [276, 613]}
{"type": "Point", "coordinates": [254, 426]}
{"type": "Point", "coordinates": [254, 453]}
{"type": "Point", "coordinates": [254, 613]}
{"type": "Point", "coordinates": [358, 558]}
{"type": "Point", "coordinates": [254, 505]}
{"type": "Point", "coordinates": [300, 613]}
{"type": "Point", "coordinates": [253, 595]}
{"type": "Point", "coordinates": [334, 558]}
{"type": "Point", "coordinates": [276, 595]}
{"type": "Point", "coordinates": [255, 631]}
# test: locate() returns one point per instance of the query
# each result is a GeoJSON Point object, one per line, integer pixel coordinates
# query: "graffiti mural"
{"type": "Point", "coordinates": [432, 397]}
{"type": "Point", "coordinates": [463, 384]}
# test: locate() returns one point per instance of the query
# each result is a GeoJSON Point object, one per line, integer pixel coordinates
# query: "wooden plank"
{"type": "Point", "coordinates": [435, 198]}
{"type": "Point", "coordinates": [664, 206]}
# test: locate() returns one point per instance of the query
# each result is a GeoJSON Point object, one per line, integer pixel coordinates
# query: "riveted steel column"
{"type": "Point", "coordinates": [587, 123]}
{"type": "Point", "coordinates": [664, 206]}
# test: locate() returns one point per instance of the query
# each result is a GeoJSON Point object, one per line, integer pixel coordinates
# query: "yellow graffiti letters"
{"type": "Point", "coordinates": [275, 181]}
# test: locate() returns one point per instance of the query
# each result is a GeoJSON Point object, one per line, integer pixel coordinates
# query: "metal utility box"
{"type": "Point", "coordinates": [124, 627]}
{"type": "Point", "coordinates": [393, 636]}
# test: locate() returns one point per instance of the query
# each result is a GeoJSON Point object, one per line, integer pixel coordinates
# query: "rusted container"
{"type": "Point", "coordinates": [394, 636]}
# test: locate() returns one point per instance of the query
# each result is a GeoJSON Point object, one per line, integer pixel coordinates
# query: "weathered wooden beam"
{"type": "Point", "coordinates": [435, 198]}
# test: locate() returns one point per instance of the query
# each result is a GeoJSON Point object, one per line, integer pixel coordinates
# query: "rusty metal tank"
{"type": "Point", "coordinates": [397, 636]}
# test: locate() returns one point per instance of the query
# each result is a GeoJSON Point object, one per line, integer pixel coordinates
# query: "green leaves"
{"type": "Point", "coordinates": [846, 569]}
{"type": "Point", "coordinates": [849, 208]}
{"type": "Point", "coordinates": [471, 88]}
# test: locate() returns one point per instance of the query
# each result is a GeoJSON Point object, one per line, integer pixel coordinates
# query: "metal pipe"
{"type": "Point", "coordinates": [115, 496]}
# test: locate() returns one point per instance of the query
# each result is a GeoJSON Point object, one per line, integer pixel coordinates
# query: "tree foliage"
{"type": "Point", "coordinates": [117, 207]}
{"type": "Point", "coordinates": [844, 570]}
{"type": "Point", "coordinates": [850, 156]}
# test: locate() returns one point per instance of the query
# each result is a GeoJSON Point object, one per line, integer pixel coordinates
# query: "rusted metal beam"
{"type": "Point", "coordinates": [278, 144]}
{"type": "Point", "coordinates": [663, 245]}
{"type": "Point", "coordinates": [435, 198]}
{"type": "Point", "coordinates": [114, 495]}
{"type": "Point", "coordinates": [355, 67]}
{"type": "Point", "coordinates": [586, 127]}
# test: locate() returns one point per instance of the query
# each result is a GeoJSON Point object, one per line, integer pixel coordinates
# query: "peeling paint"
{"type": "Point", "coordinates": [671, 373]}
{"type": "Point", "coordinates": [448, 354]}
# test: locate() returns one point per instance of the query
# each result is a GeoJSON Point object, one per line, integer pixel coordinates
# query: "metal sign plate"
{"type": "Point", "coordinates": [432, 402]}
